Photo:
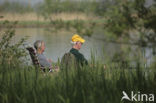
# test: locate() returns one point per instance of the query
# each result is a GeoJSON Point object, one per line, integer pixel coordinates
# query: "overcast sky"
{"type": "Point", "coordinates": [32, 2]}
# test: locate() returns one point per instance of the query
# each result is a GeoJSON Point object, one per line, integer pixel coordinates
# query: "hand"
{"type": "Point", "coordinates": [56, 68]}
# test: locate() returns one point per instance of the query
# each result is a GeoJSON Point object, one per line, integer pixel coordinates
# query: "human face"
{"type": "Point", "coordinates": [43, 47]}
{"type": "Point", "coordinates": [79, 45]}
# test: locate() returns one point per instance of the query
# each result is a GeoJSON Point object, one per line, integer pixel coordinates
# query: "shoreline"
{"type": "Point", "coordinates": [43, 24]}
{"type": "Point", "coordinates": [27, 24]}
{"type": "Point", "coordinates": [32, 19]}
{"type": "Point", "coordinates": [32, 16]}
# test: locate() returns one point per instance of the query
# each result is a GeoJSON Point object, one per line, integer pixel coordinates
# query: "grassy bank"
{"type": "Point", "coordinates": [29, 24]}
{"type": "Point", "coordinates": [55, 16]}
{"type": "Point", "coordinates": [34, 20]}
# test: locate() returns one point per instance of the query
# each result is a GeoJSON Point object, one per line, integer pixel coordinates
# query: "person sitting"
{"type": "Point", "coordinates": [77, 42]}
{"type": "Point", "coordinates": [40, 47]}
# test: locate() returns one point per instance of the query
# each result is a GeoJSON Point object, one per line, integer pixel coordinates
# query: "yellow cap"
{"type": "Point", "coordinates": [76, 38]}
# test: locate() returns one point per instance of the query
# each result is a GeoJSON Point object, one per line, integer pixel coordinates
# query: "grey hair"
{"type": "Point", "coordinates": [72, 42]}
{"type": "Point", "coordinates": [38, 44]}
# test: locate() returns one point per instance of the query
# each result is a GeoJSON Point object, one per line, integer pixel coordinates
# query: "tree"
{"type": "Point", "coordinates": [128, 17]}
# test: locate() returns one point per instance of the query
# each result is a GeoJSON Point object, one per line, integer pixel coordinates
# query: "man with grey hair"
{"type": "Point", "coordinates": [40, 47]}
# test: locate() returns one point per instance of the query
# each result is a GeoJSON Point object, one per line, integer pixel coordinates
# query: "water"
{"type": "Point", "coordinates": [57, 44]}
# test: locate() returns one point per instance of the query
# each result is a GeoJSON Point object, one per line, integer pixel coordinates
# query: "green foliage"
{"type": "Point", "coordinates": [10, 52]}
{"type": "Point", "coordinates": [15, 7]}
{"type": "Point", "coordinates": [102, 7]}
{"type": "Point", "coordinates": [119, 18]}
{"type": "Point", "coordinates": [130, 22]}
{"type": "Point", "coordinates": [57, 6]}
{"type": "Point", "coordinates": [82, 85]}
{"type": "Point", "coordinates": [84, 28]}
{"type": "Point", "coordinates": [125, 18]}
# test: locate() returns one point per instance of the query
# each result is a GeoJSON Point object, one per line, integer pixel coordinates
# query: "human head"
{"type": "Point", "coordinates": [39, 46]}
{"type": "Point", "coordinates": [77, 41]}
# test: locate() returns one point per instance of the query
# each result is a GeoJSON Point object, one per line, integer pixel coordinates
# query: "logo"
{"type": "Point", "coordinates": [137, 97]}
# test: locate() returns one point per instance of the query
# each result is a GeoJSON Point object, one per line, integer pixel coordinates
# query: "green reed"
{"type": "Point", "coordinates": [25, 84]}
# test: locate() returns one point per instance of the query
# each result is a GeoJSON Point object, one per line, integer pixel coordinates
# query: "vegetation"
{"type": "Point", "coordinates": [132, 17]}
{"type": "Point", "coordinates": [10, 53]}
{"type": "Point", "coordinates": [15, 7]}
{"type": "Point", "coordinates": [128, 22]}
{"type": "Point", "coordinates": [21, 83]}
{"type": "Point", "coordinates": [81, 85]}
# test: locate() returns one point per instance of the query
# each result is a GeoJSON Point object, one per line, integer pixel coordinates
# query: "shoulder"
{"type": "Point", "coordinates": [71, 50]}
{"type": "Point", "coordinates": [41, 56]}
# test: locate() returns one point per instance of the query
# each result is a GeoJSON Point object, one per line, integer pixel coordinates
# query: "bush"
{"type": "Point", "coordinates": [10, 53]}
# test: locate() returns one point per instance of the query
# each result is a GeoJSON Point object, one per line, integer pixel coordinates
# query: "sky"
{"type": "Point", "coordinates": [32, 2]}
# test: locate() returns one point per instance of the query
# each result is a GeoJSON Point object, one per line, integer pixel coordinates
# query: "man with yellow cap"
{"type": "Point", "coordinates": [77, 42]}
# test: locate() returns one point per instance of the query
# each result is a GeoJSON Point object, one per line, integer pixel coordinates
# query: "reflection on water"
{"type": "Point", "coordinates": [59, 43]}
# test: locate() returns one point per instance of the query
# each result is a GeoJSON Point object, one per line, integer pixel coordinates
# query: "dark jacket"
{"type": "Point", "coordinates": [79, 57]}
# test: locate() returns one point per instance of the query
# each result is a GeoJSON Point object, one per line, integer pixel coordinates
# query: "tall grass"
{"type": "Point", "coordinates": [84, 85]}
